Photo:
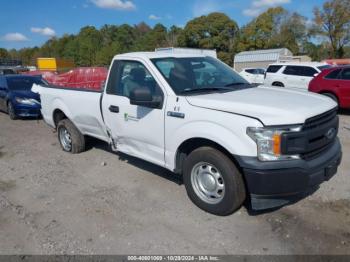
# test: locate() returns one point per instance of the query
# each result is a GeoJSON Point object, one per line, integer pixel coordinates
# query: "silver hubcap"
{"type": "Point", "coordinates": [65, 139]}
{"type": "Point", "coordinates": [208, 183]}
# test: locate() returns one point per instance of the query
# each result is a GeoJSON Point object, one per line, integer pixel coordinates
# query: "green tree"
{"type": "Point", "coordinates": [261, 32]}
{"type": "Point", "coordinates": [106, 53]}
{"type": "Point", "coordinates": [126, 36]}
{"type": "Point", "coordinates": [4, 53]}
{"type": "Point", "coordinates": [173, 35]}
{"type": "Point", "coordinates": [275, 28]}
{"type": "Point", "coordinates": [214, 31]}
{"type": "Point", "coordinates": [333, 22]}
{"type": "Point", "coordinates": [317, 52]}
{"type": "Point", "coordinates": [89, 42]}
{"type": "Point", "coordinates": [71, 49]}
{"type": "Point", "coordinates": [292, 34]}
{"type": "Point", "coordinates": [142, 29]}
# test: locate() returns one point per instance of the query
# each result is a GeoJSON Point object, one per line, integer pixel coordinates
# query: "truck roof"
{"type": "Point", "coordinates": [151, 55]}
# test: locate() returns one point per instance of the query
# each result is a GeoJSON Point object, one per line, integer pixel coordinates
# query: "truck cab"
{"type": "Point", "coordinates": [230, 140]}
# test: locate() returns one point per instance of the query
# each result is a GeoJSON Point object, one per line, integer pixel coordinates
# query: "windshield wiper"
{"type": "Point", "coordinates": [195, 90]}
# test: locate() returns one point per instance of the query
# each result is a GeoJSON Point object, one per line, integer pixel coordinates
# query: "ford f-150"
{"type": "Point", "coordinates": [192, 114]}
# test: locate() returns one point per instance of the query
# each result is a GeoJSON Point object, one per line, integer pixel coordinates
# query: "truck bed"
{"type": "Point", "coordinates": [80, 105]}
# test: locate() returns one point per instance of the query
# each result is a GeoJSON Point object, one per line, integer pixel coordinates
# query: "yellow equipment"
{"type": "Point", "coordinates": [54, 64]}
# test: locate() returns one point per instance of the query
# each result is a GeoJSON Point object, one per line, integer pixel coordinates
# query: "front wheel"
{"type": "Point", "coordinates": [213, 182]}
{"type": "Point", "coordinates": [70, 138]}
{"type": "Point", "coordinates": [11, 111]}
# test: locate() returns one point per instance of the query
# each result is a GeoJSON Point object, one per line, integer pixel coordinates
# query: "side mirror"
{"type": "Point", "coordinates": [142, 96]}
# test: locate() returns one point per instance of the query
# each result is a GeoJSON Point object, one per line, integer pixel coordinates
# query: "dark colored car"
{"type": "Point", "coordinates": [7, 71]}
{"type": "Point", "coordinates": [16, 97]}
{"type": "Point", "coordinates": [335, 83]}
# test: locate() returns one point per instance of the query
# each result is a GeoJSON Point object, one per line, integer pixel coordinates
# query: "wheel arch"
{"type": "Point", "coordinates": [57, 116]}
{"type": "Point", "coordinates": [278, 83]}
{"type": "Point", "coordinates": [8, 100]}
{"type": "Point", "coordinates": [191, 144]}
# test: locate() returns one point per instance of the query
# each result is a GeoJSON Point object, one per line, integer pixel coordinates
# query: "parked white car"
{"type": "Point", "coordinates": [294, 75]}
{"type": "Point", "coordinates": [194, 115]}
{"type": "Point", "coordinates": [253, 75]}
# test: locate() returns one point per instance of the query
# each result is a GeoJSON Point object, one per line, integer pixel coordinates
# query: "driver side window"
{"type": "Point", "coordinates": [128, 75]}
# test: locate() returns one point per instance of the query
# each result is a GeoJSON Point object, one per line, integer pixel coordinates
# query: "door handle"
{"type": "Point", "coordinates": [114, 109]}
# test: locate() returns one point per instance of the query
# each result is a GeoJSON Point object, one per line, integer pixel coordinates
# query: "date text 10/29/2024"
{"type": "Point", "coordinates": [173, 258]}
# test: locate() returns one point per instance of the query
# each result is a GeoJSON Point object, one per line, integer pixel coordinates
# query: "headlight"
{"type": "Point", "coordinates": [26, 101]}
{"type": "Point", "coordinates": [269, 140]}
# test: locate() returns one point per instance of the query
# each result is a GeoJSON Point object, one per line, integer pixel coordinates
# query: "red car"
{"type": "Point", "coordinates": [335, 83]}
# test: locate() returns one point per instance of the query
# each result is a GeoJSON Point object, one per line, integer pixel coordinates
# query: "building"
{"type": "Point", "coordinates": [261, 58]}
{"type": "Point", "coordinates": [301, 58]}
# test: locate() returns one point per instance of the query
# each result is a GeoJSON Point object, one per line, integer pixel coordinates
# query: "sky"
{"type": "Point", "coordinates": [31, 23]}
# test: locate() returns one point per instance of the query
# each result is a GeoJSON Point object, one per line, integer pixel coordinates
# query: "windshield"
{"type": "Point", "coordinates": [199, 74]}
{"type": "Point", "coordinates": [23, 83]}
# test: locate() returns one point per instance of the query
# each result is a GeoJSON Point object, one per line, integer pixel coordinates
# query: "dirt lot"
{"type": "Point", "coordinates": [52, 202]}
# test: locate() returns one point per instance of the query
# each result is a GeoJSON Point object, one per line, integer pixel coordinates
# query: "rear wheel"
{"type": "Point", "coordinates": [11, 111]}
{"type": "Point", "coordinates": [70, 138]}
{"type": "Point", "coordinates": [213, 182]}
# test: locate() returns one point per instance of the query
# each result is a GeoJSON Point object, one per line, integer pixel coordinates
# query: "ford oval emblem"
{"type": "Point", "coordinates": [331, 133]}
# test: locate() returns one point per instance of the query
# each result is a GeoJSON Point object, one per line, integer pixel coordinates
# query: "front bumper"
{"type": "Point", "coordinates": [27, 110]}
{"type": "Point", "coordinates": [275, 184]}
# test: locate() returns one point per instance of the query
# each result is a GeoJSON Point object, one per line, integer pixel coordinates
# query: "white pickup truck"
{"type": "Point", "coordinates": [231, 141]}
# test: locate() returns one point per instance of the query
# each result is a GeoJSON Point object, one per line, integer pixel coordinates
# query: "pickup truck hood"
{"type": "Point", "coordinates": [272, 106]}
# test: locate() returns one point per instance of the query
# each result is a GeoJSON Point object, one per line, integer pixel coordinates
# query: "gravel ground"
{"type": "Point", "coordinates": [100, 202]}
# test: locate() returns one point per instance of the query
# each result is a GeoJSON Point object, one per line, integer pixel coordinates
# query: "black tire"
{"type": "Point", "coordinates": [235, 193]}
{"type": "Point", "coordinates": [332, 96]}
{"type": "Point", "coordinates": [77, 138]}
{"type": "Point", "coordinates": [278, 84]}
{"type": "Point", "coordinates": [11, 111]}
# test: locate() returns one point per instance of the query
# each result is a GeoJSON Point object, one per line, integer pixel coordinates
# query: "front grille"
{"type": "Point", "coordinates": [316, 129]}
{"type": "Point", "coordinates": [317, 121]}
{"type": "Point", "coordinates": [317, 135]}
{"type": "Point", "coordinates": [315, 153]}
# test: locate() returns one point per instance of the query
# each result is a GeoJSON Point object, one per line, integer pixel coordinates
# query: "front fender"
{"type": "Point", "coordinates": [237, 142]}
